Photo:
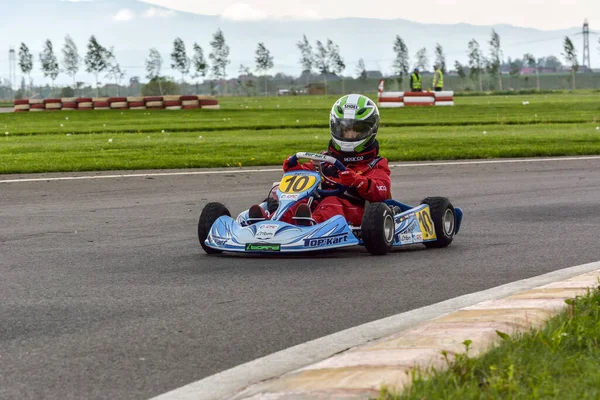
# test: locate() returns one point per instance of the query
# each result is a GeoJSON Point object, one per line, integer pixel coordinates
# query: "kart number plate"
{"type": "Point", "coordinates": [426, 224]}
{"type": "Point", "coordinates": [297, 183]}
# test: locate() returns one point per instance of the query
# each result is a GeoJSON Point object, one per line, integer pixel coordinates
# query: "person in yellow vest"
{"type": "Point", "coordinates": [438, 79]}
{"type": "Point", "coordinates": [415, 81]}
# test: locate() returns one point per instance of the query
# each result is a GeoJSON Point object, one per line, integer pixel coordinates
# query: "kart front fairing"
{"type": "Point", "coordinates": [274, 235]}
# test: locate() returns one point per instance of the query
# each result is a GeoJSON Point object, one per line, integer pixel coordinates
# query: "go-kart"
{"type": "Point", "coordinates": [384, 225]}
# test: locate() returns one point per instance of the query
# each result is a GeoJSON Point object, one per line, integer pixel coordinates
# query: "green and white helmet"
{"type": "Point", "coordinates": [354, 121]}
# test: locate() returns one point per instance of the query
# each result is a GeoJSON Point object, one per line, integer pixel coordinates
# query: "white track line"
{"type": "Point", "coordinates": [246, 171]}
{"type": "Point", "coordinates": [225, 384]}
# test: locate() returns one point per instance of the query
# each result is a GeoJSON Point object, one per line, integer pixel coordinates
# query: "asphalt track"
{"type": "Point", "coordinates": [106, 293]}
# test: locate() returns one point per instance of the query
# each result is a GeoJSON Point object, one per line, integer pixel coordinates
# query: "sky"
{"type": "Point", "coordinates": [540, 14]}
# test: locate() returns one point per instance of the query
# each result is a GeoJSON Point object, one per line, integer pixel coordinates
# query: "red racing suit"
{"type": "Point", "coordinates": [369, 181]}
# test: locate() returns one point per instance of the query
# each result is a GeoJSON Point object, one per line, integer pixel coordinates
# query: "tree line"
{"type": "Point", "coordinates": [324, 57]}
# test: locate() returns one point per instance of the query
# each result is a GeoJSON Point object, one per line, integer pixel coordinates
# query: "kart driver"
{"type": "Point", "coordinates": [354, 122]}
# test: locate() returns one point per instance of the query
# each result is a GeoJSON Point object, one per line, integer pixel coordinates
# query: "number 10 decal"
{"type": "Point", "coordinates": [297, 183]}
{"type": "Point", "coordinates": [426, 225]}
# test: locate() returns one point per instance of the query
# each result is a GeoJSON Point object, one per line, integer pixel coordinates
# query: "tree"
{"type": "Point", "coordinates": [515, 67]}
{"type": "Point", "coordinates": [552, 62]}
{"type": "Point", "coordinates": [476, 61]}
{"type": "Point", "coordinates": [114, 71]}
{"type": "Point", "coordinates": [401, 61]}
{"type": "Point", "coordinates": [440, 58]}
{"type": "Point", "coordinates": [322, 61]}
{"type": "Point", "coordinates": [25, 61]}
{"type": "Point", "coordinates": [219, 55]}
{"type": "Point", "coordinates": [198, 64]}
{"type": "Point", "coordinates": [361, 71]}
{"type": "Point", "coordinates": [460, 70]}
{"type": "Point", "coordinates": [529, 59]}
{"type": "Point", "coordinates": [96, 59]}
{"type": "Point", "coordinates": [245, 72]}
{"type": "Point", "coordinates": [306, 56]}
{"type": "Point", "coordinates": [71, 59]}
{"type": "Point", "coordinates": [264, 62]}
{"type": "Point", "coordinates": [49, 62]}
{"type": "Point", "coordinates": [422, 59]}
{"type": "Point", "coordinates": [321, 58]}
{"type": "Point", "coordinates": [494, 62]}
{"type": "Point", "coordinates": [181, 62]}
{"type": "Point", "coordinates": [153, 68]}
{"type": "Point", "coordinates": [160, 86]}
{"type": "Point", "coordinates": [570, 55]}
{"type": "Point", "coordinates": [336, 61]}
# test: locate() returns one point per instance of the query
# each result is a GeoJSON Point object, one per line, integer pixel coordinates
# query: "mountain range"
{"type": "Point", "coordinates": [133, 27]}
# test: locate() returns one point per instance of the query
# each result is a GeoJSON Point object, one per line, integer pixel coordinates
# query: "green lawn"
{"type": "Point", "coordinates": [273, 127]}
{"type": "Point", "coordinates": [560, 361]}
{"type": "Point", "coordinates": [308, 112]}
{"type": "Point", "coordinates": [65, 152]}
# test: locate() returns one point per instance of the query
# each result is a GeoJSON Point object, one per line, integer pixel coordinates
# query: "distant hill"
{"type": "Point", "coordinates": [132, 27]}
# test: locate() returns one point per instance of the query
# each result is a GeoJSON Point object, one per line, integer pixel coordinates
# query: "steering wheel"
{"type": "Point", "coordinates": [293, 161]}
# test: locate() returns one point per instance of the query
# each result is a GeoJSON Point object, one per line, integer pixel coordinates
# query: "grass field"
{"type": "Point", "coordinates": [559, 361]}
{"type": "Point", "coordinates": [263, 131]}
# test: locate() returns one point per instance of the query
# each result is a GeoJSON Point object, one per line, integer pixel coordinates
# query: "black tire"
{"type": "Point", "coordinates": [377, 239]}
{"type": "Point", "coordinates": [210, 213]}
{"type": "Point", "coordinates": [438, 207]}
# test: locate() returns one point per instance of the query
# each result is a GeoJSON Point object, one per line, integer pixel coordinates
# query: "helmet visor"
{"type": "Point", "coordinates": [351, 130]}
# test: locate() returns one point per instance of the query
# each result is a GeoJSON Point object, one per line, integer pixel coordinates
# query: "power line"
{"type": "Point", "coordinates": [586, 44]}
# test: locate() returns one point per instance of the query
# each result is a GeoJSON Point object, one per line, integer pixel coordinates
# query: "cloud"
{"type": "Point", "coordinates": [243, 12]}
{"type": "Point", "coordinates": [154, 12]}
{"type": "Point", "coordinates": [123, 15]}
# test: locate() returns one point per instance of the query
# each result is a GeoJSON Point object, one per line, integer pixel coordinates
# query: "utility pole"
{"type": "Point", "coordinates": [586, 44]}
{"type": "Point", "coordinates": [12, 69]}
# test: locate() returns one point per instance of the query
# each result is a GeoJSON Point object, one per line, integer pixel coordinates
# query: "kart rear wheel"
{"type": "Point", "coordinates": [377, 228]}
{"type": "Point", "coordinates": [444, 221]}
{"type": "Point", "coordinates": [210, 213]}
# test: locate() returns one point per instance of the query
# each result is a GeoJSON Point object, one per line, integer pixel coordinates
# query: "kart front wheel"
{"type": "Point", "coordinates": [377, 228]}
{"type": "Point", "coordinates": [444, 221]}
{"type": "Point", "coordinates": [210, 213]}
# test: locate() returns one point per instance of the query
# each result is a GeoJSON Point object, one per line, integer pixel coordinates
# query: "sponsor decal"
{"type": "Point", "coordinates": [382, 188]}
{"type": "Point", "coordinates": [406, 238]}
{"type": "Point", "coordinates": [353, 159]}
{"type": "Point", "coordinates": [219, 242]}
{"type": "Point", "coordinates": [405, 217]}
{"type": "Point", "coordinates": [292, 197]}
{"type": "Point", "coordinates": [328, 241]}
{"type": "Point", "coordinates": [262, 247]}
{"type": "Point", "coordinates": [349, 106]}
{"type": "Point", "coordinates": [418, 237]}
{"type": "Point", "coordinates": [410, 226]}
{"type": "Point", "coordinates": [374, 162]}
{"type": "Point", "coordinates": [321, 156]}
{"type": "Point", "coordinates": [266, 231]}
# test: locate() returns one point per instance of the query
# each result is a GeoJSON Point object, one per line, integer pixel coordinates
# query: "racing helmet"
{"type": "Point", "coordinates": [354, 122]}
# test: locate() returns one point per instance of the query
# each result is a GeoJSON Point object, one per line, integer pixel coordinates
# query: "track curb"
{"type": "Point", "coordinates": [355, 363]}
{"type": "Point", "coordinates": [360, 372]}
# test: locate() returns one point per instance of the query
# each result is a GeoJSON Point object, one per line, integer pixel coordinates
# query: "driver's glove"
{"type": "Point", "coordinates": [352, 179]}
{"type": "Point", "coordinates": [287, 165]}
